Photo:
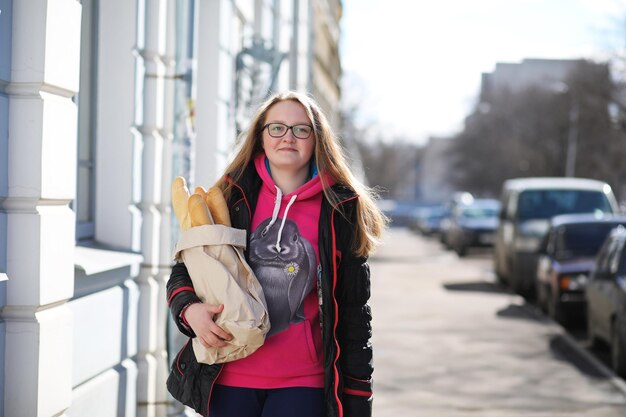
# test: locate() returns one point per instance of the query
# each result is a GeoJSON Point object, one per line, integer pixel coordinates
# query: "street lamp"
{"type": "Point", "coordinates": [572, 133]}
{"type": "Point", "coordinates": [572, 137]}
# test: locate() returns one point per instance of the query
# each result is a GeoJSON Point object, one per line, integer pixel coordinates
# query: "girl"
{"type": "Point", "coordinates": [311, 226]}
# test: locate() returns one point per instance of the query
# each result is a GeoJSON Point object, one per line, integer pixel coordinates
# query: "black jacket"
{"type": "Point", "coordinates": [345, 314]}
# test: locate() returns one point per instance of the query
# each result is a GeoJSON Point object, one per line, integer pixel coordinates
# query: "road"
{"type": "Point", "coordinates": [449, 341]}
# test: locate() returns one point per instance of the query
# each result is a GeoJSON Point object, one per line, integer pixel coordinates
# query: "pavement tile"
{"type": "Point", "coordinates": [450, 342]}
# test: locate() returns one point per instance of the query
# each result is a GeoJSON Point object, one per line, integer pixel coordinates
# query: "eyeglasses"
{"type": "Point", "coordinates": [278, 130]}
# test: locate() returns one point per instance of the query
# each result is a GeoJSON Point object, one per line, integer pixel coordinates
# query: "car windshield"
{"type": "Point", "coordinates": [543, 204]}
{"type": "Point", "coordinates": [581, 240]}
{"type": "Point", "coordinates": [479, 212]}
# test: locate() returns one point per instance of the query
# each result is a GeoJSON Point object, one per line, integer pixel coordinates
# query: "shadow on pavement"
{"type": "Point", "coordinates": [563, 350]}
{"type": "Point", "coordinates": [600, 350]}
{"type": "Point", "coordinates": [524, 311]}
{"type": "Point", "coordinates": [479, 286]}
{"type": "Point", "coordinates": [561, 347]}
{"type": "Point", "coordinates": [478, 253]}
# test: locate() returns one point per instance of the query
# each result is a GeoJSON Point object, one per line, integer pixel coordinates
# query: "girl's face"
{"type": "Point", "coordinates": [288, 152]}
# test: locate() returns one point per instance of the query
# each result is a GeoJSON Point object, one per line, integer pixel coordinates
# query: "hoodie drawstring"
{"type": "Point", "coordinates": [282, 224]}
{"type": "Point", "coordinates": [279, 197]}
{"type": "Point", "coordinates": [277, 202]}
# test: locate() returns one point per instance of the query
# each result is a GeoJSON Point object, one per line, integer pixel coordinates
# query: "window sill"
{"type": "Point", "coordinates": [96, 260]}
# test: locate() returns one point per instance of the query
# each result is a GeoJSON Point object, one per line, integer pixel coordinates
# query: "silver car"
{"type": "Point", "coordinates": [528, 204]}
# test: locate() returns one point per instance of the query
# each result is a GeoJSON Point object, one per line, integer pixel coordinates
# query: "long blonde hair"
{"type": "Point", "coordinates": [329, 158]}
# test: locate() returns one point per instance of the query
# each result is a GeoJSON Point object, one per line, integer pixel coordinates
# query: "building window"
{"type": "Point", "coordinates": [84, 205]}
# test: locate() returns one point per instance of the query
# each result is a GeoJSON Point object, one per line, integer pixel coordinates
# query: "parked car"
{"type": "Point", "coordinates": [400, 213]}
{"type": "Point", "coordinates": [566, 257]}
{"type": "Point", "coordinates": [458, 198]}
{"type": "Point", "coordinates": [473, 225]}
{"type": "Point", "coordinates": [606, 299]}
{"type": "Point", "coordinates": [527, 206]}
{"type": "Point", "coordinates": [428, 219]}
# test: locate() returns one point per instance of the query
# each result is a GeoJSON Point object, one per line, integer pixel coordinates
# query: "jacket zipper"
{"type": "Point", "coordinates": [334, 255]}
{"type": "Point", "coordinates": [320, 297]}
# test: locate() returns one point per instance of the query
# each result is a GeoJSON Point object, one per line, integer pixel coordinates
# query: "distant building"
{"type": "Point", "coordinates": [102, 103]}
{"type": "Point", "coordinates": [433, 179]}
{"type": "Point", "coordinates": [567, 137]}
{"type": "Point", "coordinates": [530, 72]}
{"type": "Point", "coordinates": [326, 70]}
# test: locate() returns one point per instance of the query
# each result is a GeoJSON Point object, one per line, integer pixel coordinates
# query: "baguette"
{"type": "Point", "coordinates": [198, 211]}
{"type": "Point", "coordinates": [217, 205]}
{"type": "Point", "coordinates": [200, 190]}
{"type": "Point", "coordinates": [180, 196]}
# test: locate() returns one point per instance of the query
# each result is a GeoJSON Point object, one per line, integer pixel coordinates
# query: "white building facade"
{"type": "Point", "coordinates": [102, 103]}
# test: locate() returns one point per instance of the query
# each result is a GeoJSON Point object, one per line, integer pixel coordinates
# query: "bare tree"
{"type": "Point", "coordinates": [388, 163]}
{"type": "Point", "coordinates": [530, 132]}
{"type": "Point", "coordinates": [391, 166]}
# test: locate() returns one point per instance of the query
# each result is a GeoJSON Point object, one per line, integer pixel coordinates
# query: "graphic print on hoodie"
{"type": "Point", "coordinates": [283, 262]}
{"type": "Point", "coordinates": [283, 252]}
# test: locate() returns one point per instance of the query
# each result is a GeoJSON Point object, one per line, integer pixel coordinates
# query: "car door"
{"type": "Point", "coordinates": [504, 235]}
{"type": "Point", "coordinates": [545, 269]}
{"type": "Point", "coordinates": [453, 229]}
{"type": "Point", "coordinates": [593, 292]}
{"type": "Point", "coordinates": [620, 280]}
{"type": "Point", "coordinates": [617, 285]}
{"type": "Point", "coordinates": [605, 286]}
{"type": "Point", "coordinates": [544, 264]}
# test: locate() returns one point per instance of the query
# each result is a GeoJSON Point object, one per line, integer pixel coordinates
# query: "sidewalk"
{"type": "Point", "coordinates": [449, 342]}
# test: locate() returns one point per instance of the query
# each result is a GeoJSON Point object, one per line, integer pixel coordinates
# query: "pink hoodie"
{"type": "Point", "coordinates": [284, 256]}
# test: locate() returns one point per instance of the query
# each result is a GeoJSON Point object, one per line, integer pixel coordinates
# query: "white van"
{"type": "Point", "coordinates": [528, 204]}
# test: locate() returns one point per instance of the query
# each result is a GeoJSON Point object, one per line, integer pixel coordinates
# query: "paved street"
{"type": "Point", "coordinates": [450, 342]}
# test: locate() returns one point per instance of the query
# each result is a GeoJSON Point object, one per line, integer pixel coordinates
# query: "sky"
{"type": "Point", "coordinates": [413, 68]}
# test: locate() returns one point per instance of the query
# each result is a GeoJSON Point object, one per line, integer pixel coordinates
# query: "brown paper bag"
{"type": "Point", "coordinates": [213, 255]}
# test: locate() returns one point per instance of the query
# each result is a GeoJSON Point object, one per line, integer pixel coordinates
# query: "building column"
{"type": "Point", "coordinates": [40, 224]}
{"type": "Point", "coordinates": [152, 348]}
{"type": "Point", "coordinates": [164, 206]}
{"type": "Point", "coordinates": [214, 119]}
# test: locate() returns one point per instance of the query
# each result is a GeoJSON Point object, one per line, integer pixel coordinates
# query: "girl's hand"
{"type": "Point", "coordinates": [200, 318]}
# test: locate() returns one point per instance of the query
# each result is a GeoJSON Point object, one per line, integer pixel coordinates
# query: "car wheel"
{"type": "Point", "coordinates": [516, 282]}
{"type": "Point", "coordinates": [515, 277]}
{"type": "Point", "coordinates": [618, 349]}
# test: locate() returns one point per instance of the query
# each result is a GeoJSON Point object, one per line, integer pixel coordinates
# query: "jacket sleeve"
{"type": "Point", "coordinates": [180, 294]}
{"type": "Point", "coordinates": [354, 332]}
